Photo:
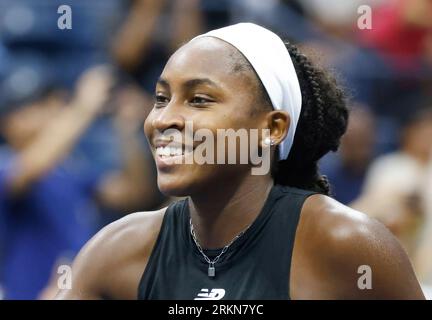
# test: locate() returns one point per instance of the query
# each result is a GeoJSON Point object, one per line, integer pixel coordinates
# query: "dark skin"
{"type": "Point", "coordinates": [331, 242]}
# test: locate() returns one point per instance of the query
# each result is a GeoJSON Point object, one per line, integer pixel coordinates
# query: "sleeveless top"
{"type": "Point", "coordinates": [256, 266]}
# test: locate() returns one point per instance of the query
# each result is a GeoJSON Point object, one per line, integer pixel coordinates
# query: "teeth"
{"type": "Point", "coordinates": [169, 151]}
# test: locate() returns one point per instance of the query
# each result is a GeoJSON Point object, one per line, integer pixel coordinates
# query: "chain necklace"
{"type": "Point", "coordinates": [211, 269]}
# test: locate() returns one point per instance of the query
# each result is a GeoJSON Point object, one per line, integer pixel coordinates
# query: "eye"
{"type": "Point", "coordinates": [160, 100]}
{"type": "Point", "coordinates": [199, 100]}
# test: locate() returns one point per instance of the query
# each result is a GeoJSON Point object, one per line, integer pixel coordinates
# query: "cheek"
{"type": "Point", "coordinates": [241, 113]}
{"type": "Point", "coordinates": [231, 117]}
{"type": "Point", "coordinates": [148, 127]}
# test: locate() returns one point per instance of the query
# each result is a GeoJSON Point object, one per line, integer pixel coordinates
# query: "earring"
{"type": "Point", "coordinates": [267, 141]}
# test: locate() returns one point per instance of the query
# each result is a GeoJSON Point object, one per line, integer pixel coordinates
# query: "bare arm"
{"type": "Point", "coordinates": [372, 265]}
{"type": "Point", "coordinates": [188, 22]}
{"type": "Point", "coordinates": [347, 255]}
{"type": "Point", "coordinates": [111, 264]}
{"type": "Point", "coordinates": [134, 186]}
{"type": "Point", "coordinates": [54, 143]}
{"type": "Point", "coordinates": [135, 36]}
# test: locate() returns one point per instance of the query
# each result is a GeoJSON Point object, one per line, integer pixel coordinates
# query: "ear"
{"type": "Point", "coordinates": [278, 123]}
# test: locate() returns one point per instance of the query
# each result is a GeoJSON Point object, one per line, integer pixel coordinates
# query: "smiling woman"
{"type": "Point", "coordinates": [272, 236]}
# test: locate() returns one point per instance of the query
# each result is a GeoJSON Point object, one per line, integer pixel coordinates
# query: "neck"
{"type": "Point", "coordinates": [222, 212]}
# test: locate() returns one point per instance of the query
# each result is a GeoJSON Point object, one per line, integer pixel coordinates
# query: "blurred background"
{"type": "Point", "coordinates": [73, 156]}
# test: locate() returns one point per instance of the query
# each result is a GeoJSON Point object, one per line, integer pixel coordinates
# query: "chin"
{"type": "Point", "coordinates": [186, 183]}
{"type": "Point", "coordinates": [173, 188]}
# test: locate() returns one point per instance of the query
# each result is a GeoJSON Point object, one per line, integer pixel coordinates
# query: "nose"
{"type": "Point", "coordinates": [169, 117]}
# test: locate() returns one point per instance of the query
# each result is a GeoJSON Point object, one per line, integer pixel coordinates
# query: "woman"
{"type": "Point", "coordinates": [237, 235]}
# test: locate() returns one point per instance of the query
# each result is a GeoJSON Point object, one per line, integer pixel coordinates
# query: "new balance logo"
{"type": "Point", "coordinates": [214, 294]}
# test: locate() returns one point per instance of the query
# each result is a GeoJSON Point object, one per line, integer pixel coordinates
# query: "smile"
{"type": "Point", "coordinates": [167, 156]}
{"type": "Point", "coordinates": [204, 146]}
{"type": "Point", "coordinates": [165, 152]}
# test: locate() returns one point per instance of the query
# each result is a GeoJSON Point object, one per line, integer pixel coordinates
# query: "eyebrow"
{"type": "Point", "coordinates": [189, 84]}
{"type": "Point", "coordinates": [200, 81]}
{"type": "Point", "coordinates": [163, 83]}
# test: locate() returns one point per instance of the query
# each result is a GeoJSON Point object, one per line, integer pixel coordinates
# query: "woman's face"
{"type": "Point", "coordinates": [199, 85]}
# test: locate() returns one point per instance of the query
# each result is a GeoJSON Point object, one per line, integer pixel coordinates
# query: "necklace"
{"type": "Point", "coordinates": [211, 269]}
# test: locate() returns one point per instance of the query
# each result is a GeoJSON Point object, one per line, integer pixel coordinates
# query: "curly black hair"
{"type": "Point", "coordinates": [323, 120]}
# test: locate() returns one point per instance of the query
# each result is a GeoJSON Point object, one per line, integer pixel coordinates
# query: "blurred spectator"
{"type": "Point", "coordinates": [399, 33]}
{"type": "Point", "coordinates": [151, 31]}
{"type": "Point", "coordinates": [399, 41]}
{"type": "Point", "coordinates": [338, 18]}
{"type": "Point", "coordinates": [393, 188]}
{"type": "Point", "coordinates": [70, 165]}
{"type": "Point", "coordinates": [285, 17]}
{"type": "Point", "coordinates": [46, 201]}
{"type": "Point", "coordinates": [423, 257]}
{"type": "Point", "coordinates": [29, 24]}
{"type": "Point", "coordinates": [346, 170]}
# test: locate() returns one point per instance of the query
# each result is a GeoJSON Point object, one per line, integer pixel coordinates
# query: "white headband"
{"type": "Point", "coordinates": [268, 55]}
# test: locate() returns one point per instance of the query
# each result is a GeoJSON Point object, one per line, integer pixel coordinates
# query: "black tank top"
{"type": "Point", "coordinates": [256, 266]}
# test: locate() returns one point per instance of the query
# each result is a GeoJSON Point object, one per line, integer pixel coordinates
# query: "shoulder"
{"type": "Point", "coordinates": [335, 244]}
{"type": "Point", "coordinates": [339, 227]}
{"type": "Point", "coordinates": [112, 262]}
{"type": "Point", "coordinates": [130, 231]}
